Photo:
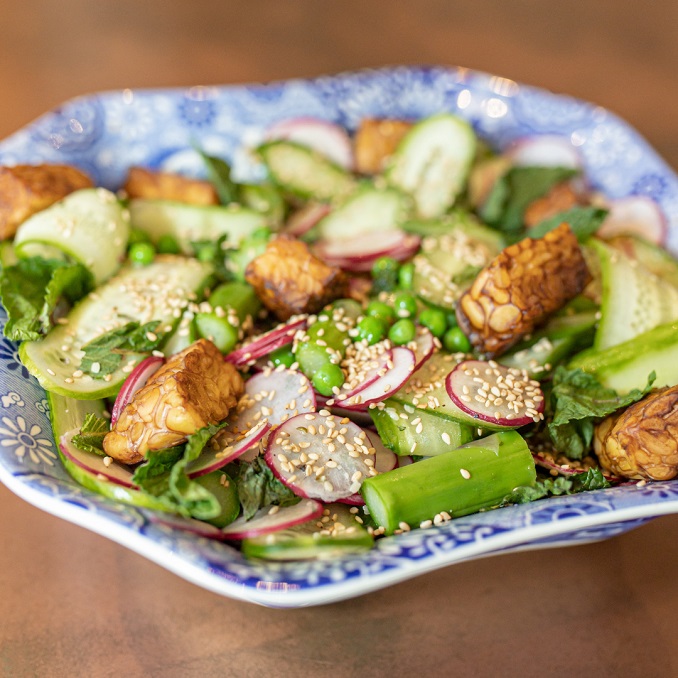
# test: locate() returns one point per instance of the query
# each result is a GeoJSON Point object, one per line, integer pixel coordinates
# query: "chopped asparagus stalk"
{"type": "Point", "coordinates": [473, 477]}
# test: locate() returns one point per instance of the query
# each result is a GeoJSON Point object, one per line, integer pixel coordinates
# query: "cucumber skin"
{"type": "Point", "coordinates": [417, 492]}
{"type": "Point", "coordinates": [627, 365]}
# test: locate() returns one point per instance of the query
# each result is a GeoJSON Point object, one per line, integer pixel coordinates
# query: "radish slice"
{"type": "Point", "coordinates": [265, 343]}
{"type": "Point", "coordinates": [136, 380]}
{"type": "Point", "coordinates": [326, 138]}
{"type": "Point", "coordinates": [226, 446]}
{"type": "Point", "coordinates": [422, 346]}
{"type": "Point", "coordinates": [544, 151]}
{"type": "Point", "coordinates": [308, 456]}
{"type": "Point", "coordinates": [507, 396]}
{"type": "Point", "coordinates": [273, 518]}
{"type": "Point", "coordinates": [274, 396]}
{"type": "Point", "coordinates": [116, 473]}
{"type": "Point", "coordinates": [566, 470]}
{"type": "Point", "coordinates": [380, 389]}
{"type": "Point", "coordinates": [635, 215]}
{"type": "Point", "coordinates": [197, 527]}
{"type": "Point", "coordinates": [354, 500]}
{"type": "Point", "coordinates": [363, 365]}
{"type": "Point", "coordinates": [370, 246]}
{"type": "Point", "coordinates": [385, 460]}
{"type": "Point", "coordinates": [305, 218]}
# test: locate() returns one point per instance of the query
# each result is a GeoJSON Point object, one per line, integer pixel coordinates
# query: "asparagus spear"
{"type": "Point", "coordinates": [475, 476]}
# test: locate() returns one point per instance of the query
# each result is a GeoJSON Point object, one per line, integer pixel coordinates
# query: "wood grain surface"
{"type": "Point", "coordinates": [75, 604]}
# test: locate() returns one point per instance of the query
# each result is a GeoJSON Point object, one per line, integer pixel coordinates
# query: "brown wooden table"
{"type": "Point", "coordinates": [75, 604]}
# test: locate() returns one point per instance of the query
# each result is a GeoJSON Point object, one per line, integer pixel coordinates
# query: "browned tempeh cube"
{"type": "Point", "coordinates": [290, 280]}
{"type": "Point", "coordinates": [375, 141]}
{"type": "Point", "coordinates": [27, 189]}
{"type": "Point", "coordinates": [145, 183]}
{"type": "Point", "coordinates": [560, 198]}
{"type": "Point", "coordinates": [192, 389]}
{"type": "Point", "coordinates": [520, 288]}
{"type": "Point", "coordinates": [642, 441]}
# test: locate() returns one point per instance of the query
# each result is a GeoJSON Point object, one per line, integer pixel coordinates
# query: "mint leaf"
{"type": "Point", "coordinates": [92, 433]}
{"type": "Point", "coordinates": [258, 487]}
{"type": "Point", "coordinates": [579, 401]}
{"type": "Point", "coordinates": [154, 474]}
{"type": "Point", "coordinates": [219, 174]}
{"type": "Point", "coordinates": [583, 221]}
{"type": "Point", "coordinates": [592, 479]}
{"type": "Point", "coordinates": [104, 354]}
{"type": "Point", "coordinates": [514, 191]}
{"type": "Point", "coordinates": [31, 290]}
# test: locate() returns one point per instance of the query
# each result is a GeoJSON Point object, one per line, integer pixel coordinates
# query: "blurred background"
{"type": "Point", "coordinates": [74, 603]}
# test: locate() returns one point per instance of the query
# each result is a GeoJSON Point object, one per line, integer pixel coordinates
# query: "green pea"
{"type": "Point", "coordinates": [136, 235]}
{"type": "Point", "coordinates": [142, 253]}
{"type": "Point", "coordinates": [451, 319]}
{"type": "Point", "coordinates": [406, 276]}
{"type": "Point", "coordinates": [455, 341]}
{"type": "Point", "coordinates": [402, 332]}
{"type": "Point", "coordinates": [311, 357]}
{"type": "Point", "coordinates": [405, 304]}
{"type": "Point", "coordinates": [218, 330]}
{"type": "Point", "coordinates": [435, 320]}
{"type": "Point", "coordinates": [167, 244]}
{"type": "Point", "coordinates": [283, 356]}
{"type": "Point", "coordinates": [327, 378]}
{"type": "Point", "coordinates": [326, 331]}
{"type": "Point", "coordinates": [381, 310]}
{"type": "Point", "coordinates": [371, 329]}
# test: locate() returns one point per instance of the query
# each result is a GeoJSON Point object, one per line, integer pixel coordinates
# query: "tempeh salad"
{"type": "Point", "coordinates": [398, 327]}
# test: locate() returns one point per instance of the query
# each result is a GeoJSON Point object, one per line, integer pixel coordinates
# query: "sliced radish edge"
{"type": "Point", "coordinates": [265, 343]}
{"type": "Point", "coordinates": [136, 380]}
{"type": "Point", "coordinates": [271, 519]}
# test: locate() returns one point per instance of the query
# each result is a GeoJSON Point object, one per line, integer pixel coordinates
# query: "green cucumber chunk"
{"type": "Point", "coordinates": [225, 492]}
{"type": "Point", "coordinates": [153, 292]}
{"type": "Point", "coordinates": [634, 300]}
{"type": "Point", "coordinates": [432, 162]}
{"type": "Point", "coordinates": [407, 430]}
{"type": "Point", "coordinates": [89, 226]}
{"type": "Point", "coordinates": [626, 366]}
{"type": "Point", "coordinates": [343, 535]}
{"type": "Point", "coordinates": [265, 199]}
{"type": "Point", "coordinates": [302, 172]}
{"type": "Point", "coordinates": [189, 224]}
{"type": "Point", "coordinates": [471, 478]}
{"type": "Point", "coordinates": [368, 210]}
{"type": "Point", "coordinates": [652, 257]}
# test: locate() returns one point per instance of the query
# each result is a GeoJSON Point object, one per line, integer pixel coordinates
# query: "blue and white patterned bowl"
{"type": "Point", "coordinates": [105, 133]}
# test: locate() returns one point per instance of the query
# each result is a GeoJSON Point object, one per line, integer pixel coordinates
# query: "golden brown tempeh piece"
{"type": "Point", "coordinates": [289, 280]}
{"type": "Point", "coordinates": [375, 142]}
{"type": "Point", "coordinates": [642, 441]}
{"type": "Point", "coordinates": [192, 389]}
{"type": "Point", "coordinates": [520, 288]}
{"type": "Point", "coordinates": [27, 189]}
{"type": "Point", "coordinates": [151, 185]}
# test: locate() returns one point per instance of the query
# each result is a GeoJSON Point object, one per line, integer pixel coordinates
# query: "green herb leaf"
{"type": "Point", "coordinates": [385, 275]}
{"type": "Point", "coordinates": [104, 354]}
{"type": "Point", "coordinates": [579, 401]}
{"type": "Point", "coordinates": [219, 174]}
{"type": "Point", "coordinates": [514, 191]}
{"type": "Point", "coordinates": [592, 479]}
{"type": "Point", "coordinates": [584, 222]}
{"type": "Point", "coordinates": [154, 474]}
{"type": "Point", "coordinates": [32, 288]}
{"type": "Point", "coordinates": [92, 433]}
{"type": "Point", "coordinates": [258, 487]}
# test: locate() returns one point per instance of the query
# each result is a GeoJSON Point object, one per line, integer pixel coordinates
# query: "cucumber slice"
{"type": "Point", "coordinates": [432, 162]}
{"type": "Point", "coordinates": [149, 293]}
{"type": "Point", "coordinates": [627, 365]}
{"type": "Point", "coordinates": [7, 254]}
{"type": "Point", "coordinates": [265, 199]}
{"type": "Point", "coordinates": [654, 258]}
{"type": "Point", "coordinates": [90, 226]}
{"type": "Point", "coordinates": [194, 223]}
{"type": "Point", "coordinates": [342, 535]}
{"type": "Point", "coordinates": [368, 210]}
{"type": "Point", "coordinates": [407, 430]}
{"type": "Point", "coordinates": [68, 414]}
{"type": "Point", "coordinates": [305, 173]}
{"type": "Point", "coordinates": [634, 300]}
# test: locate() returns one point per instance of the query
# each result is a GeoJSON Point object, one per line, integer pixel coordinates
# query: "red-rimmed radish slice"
{"type": "Point", "coordinates": [361, 418]}
{"type": "Point", "coordinates": [366, 248]}
{"type": "Point", "coordinates": [308, 456]}
{"type": "Point", "coordinates": [273, 395]}
{"type": "Point", "coordinates": [385, 460]}
{"type": "Point", "coordinates": [487, 391]}
{"type": "Point", "coordinates": [545, 151]}
{"type": "Point", "coordinates": [551, 465]}
{"type": "Point", "coordinates": [423, 346]}
{"type": "Point", "coordinates": [114, 472]}
{"type": "Point", "coordinates": [403, 366]}
{"type": "Point", "coordinates": [136, 380]}
{"type": "Point", "coordinates": [354, 500]}
{"type": "Point", "coordinates": [197, 527]}
{"type": "Point", "coordinates": [262, 345]}
{"type": "Point", "coordinates": [273, 518]}
{"type": "Point", "coordinates": [227, 446]}
{"type": "Point", "coordinates": [635, 215]}
{"type": "Point", "coordinates": [326, 138]}
{"type": "Point", "coordinates": [364, 365]}
{"type": "Point", "coordinates": [305, 218]}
